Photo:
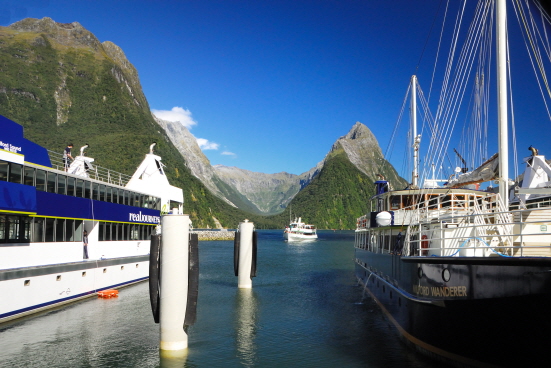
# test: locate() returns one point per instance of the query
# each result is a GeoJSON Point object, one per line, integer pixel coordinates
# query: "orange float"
{"type": "Point", "coordinates": [111, 293]}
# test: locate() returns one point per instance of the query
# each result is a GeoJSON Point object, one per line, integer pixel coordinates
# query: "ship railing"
{"type": "Point", "coordinates": [522, 232]}
{"type": "Point", "coordinates": [98, 172]}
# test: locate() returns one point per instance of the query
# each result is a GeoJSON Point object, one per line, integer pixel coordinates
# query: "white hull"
{"type": "Point", "coordinates": [297, 237]}
{"type": "Point", "coordinates": [63, 276]}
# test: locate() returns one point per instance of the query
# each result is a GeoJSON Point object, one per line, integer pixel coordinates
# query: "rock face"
{"type": "Point", "coordinates": [195, 159]}
{"type": "Point", "coordinates": [362, 149]}
{"type": "Point", "coordinates": [73, 36]}
{"type": "Point", "coordinates": [270, 193]}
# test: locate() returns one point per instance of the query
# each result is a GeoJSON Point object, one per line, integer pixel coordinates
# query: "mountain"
{"type": "Point", "coordinates": [64, 85]}
{"type": "Point", "coordinates": [340, 193]}
{"type": "Point", "coordinates": [270, 193]}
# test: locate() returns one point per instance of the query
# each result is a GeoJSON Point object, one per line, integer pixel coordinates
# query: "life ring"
{"type": "Point", "coordinates": [424, 245]}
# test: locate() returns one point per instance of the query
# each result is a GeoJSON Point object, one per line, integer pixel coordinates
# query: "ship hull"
{"type": "Point", "coordinates": [35, 289]}
{"type": "Point", "coordinates": [299, 237]}
{"type": "Point", "coordinates": [490, 312]}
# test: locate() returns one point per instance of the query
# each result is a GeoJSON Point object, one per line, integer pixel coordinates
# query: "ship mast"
{"type": "Point", "coordinates": [415, 139]}
{"type": "Point", "coordinates": [501, 25]}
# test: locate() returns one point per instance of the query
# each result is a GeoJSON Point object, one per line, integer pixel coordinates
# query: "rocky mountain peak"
{"type": "Point", "coordinates": [66, 34]}
{"type": "Point", "coordinates": [361, 147]}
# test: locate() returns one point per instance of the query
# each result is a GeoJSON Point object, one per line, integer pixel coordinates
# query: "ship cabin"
{"type": "Point", "coordinates": [45, 207]}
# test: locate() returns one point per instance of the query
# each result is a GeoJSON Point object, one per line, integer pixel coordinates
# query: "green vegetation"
{"type": "Point", "coordinates": [334, 199]}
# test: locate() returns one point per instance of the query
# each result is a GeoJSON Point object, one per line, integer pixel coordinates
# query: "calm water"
{"type": "Point", "coordinates": [305, 310]}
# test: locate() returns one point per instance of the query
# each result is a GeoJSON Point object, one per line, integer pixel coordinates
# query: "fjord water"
{"type": "Point", "coordinates": [305, 310]}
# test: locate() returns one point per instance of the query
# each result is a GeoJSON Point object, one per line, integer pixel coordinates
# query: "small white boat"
{"type": "Point", "coordinates": [298, 230]}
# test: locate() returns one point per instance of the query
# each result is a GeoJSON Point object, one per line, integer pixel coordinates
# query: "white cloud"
{"type": "Point", "coordinates": [177, 114]}
{"type": "Point", "coordinates": [228, 153]}
{"type": "Point", "coordinates": [205, 144]}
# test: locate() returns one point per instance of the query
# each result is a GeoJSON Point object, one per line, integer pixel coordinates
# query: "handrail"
{"type": "Point", "coordinates": [98, 173]}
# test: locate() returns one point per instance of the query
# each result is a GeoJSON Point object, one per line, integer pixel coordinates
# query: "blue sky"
{"type": "Point", "coordinates": [266, 86]}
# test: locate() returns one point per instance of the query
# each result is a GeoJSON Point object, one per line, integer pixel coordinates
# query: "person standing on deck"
{"type": "Point", "coordinates": [85, 242]}
{"type": "Point", "coordinates": [67, 156]}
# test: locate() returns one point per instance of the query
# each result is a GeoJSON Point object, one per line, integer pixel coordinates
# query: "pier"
{"type": "Point", "coordinates": [214, 234]}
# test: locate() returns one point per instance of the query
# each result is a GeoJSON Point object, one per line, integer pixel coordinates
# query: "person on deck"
{"type": "Point", "coordinates": [85, 242]}
{"type": "Point", "coordinates": [67, 156]}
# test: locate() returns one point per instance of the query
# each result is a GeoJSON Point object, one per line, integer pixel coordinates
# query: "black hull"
{"type": "Point", "coordinates": [489, 312]}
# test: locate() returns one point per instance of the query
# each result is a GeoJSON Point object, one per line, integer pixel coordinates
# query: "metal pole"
{"type": "Point", "coordinates": [503, 138]}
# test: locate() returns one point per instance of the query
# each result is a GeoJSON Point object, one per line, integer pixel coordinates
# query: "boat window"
{"type": "Point", "coordinates": [101, 193]}
{"type": "Point", "coordinates": [114, 228]}
{"type": "Point", "coordinates": [4, 170]}
{"type": "Point", "coordinates": [95, 191]}
{"type": "Point", "coordinates": [433, 201]}
{"type": "Point", "coordinates": [115, 195]}
{"type": "Point", "coordinates": [61, 184]}
{"type": "Point", "coordinates": [446, 201]}
{"type": "Point", "coordinates": [37, 230]}
{"type": "Point", "coordinates": [133, 232]}
{"type": "Point", "coordinates": [79, 228]}
{"type": "Point", "coordinates": [108, 231]}
{"type": "Point", "coordinates": [13, 229]}
{"type": "Point", "coordinates": [71, 186]}
{"type": "Point", "coordinates": [79, 188]}
{"type": "Point", "coordinates": [41, 180]}
{"type": "Point", "coordinates": [459, 201]}
{"type": "Point", "coordinates": [26, 229]}
{"type": "Point", "coordinates": [101, 231]}
{"type": "Point", "coordinates": [52, 177]}
{"type": "Point", "coordinates": [121, 232]}
{"type": "Point", "coordinates": [69, 230]}
{"type": "Point", "coordinates": [60, 230]}
{"type": "Point", "coordinates": [16, 173]}
{"type": "Point", "coordinates": [123, 196]}
{"type": "Point", "coordinates": [49, 231]}
{"type": "Point", "coordinates": [28, 179]}
{"type": "Point", "coordinates": [408, 201]}
{"type": "Point", "coordinates": [3, 223]}
{"type": "Point", "coordinates": [108, 194]}
{"type": "Point", "coordinates": [88, 189]}
{"type": "Point", "coordinates": [395, 202]}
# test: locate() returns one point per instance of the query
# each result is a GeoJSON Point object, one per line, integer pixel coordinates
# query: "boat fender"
{"type": "Point", "coordinates": [253, 262]}
{"type": "Point", "coordinates": [154, 276]}
{"type": "Point", "coordinates": [193, 281]}
{"type": "Point", "coordinates": [424, 245]}
{"type": "Point", "coordinates": [236, 253]}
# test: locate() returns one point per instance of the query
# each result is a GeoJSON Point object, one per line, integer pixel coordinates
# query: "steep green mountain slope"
{"type": "Point", "coordinates": [337, 196]}
{"type": "Point", "coordinates": [63, 85]}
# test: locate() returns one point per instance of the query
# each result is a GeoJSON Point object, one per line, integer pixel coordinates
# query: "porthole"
{"type": "Point", "coordinates": [27, 283]}
{"type": "Point", "coordinates": [137, 265]}
{"type": "Point", "coordinates": [58, 278]}
{"type": "Point", "coordinates": [446, 275]}
{"type": "Point", "coordinates": [420, 272]}
{"type": "Point", "coordinates": [105, 270]}
{"type": "Point", "coordinates": [122, 268]}
{"type": "Point", "coordinates": [84, 274]}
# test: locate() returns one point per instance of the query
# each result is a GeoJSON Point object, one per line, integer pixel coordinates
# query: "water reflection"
{"type": "Point", "coordinates": [173, 359]}
{"type": "Point", "coordinates": [246, 314]}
